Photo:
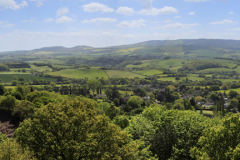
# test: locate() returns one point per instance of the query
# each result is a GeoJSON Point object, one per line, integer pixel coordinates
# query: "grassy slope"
{"type": "Point", "coordinates": [124, 74]}
{"type": "Point", "coordinates": [160, 63]}
{"type": "Point", "coordinates": [80, 73]}
{"type": "Point", "coordinates": [149, 72]}
{"type": "Point", "coordinates": [41, 69]}
{"type": "Point", "coordinates": [9, 77]}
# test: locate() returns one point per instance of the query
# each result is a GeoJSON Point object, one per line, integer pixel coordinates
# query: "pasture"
{"type": "Point", "coordinates": [80, 73]}
{"type": "Point", "coordinates": [123, 74]}
{"type": "Point", "coordinates": [41, 69]}
{"type": "Point", "coordinates": [160, 63]}
{"type": "Point", "coordinates": [149, 72]}
{"type": "Point", "coordinates": [206, 112]}
{"type": "Point", "coordinates": [9, 77]}
{"type": "Point", "coordinates": [227, 91]}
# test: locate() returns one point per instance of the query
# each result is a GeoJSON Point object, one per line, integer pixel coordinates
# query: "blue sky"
{"type": "Point", "coordinates": [31, 24]}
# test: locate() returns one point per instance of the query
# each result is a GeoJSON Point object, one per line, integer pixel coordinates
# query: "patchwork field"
{"type": "Point", "coordinates": [9, 77]}
{"type": "Point", "coordinates": [80, 73]}
{"type": "Point", "coordinates": [41, 69]}
{"type": "Point", "coordinates": [227, 91]}
{"type": "Point", "coordinates": [160, 63]}
{"type": "Point", "coordinates": [206, 53]}
{"type": "Point", "coordinates": [124, 74]}
{"type": "Point", "coordinates": [149, 72]}
{"type": "Point", "coordinates": [170, 79]}
{"type": "Point", "coordinates": [43, 53]}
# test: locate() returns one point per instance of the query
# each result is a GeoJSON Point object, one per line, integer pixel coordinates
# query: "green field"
{"type": "Point", "coordinates": [43, 53]}
{"type": "Point", "coordinates": [170, 78]}
{"type": "Point", "coordinates": [206, 53]}
{"type": "Point", "coordinates": [9, 77]}
{"type": "Point", "coordinates": [12, 72]}
{"type": "Point", "coordinates": [173, 50]}
{"type": "Point", "coordinates": [149, 72]}
{"type": "Point", "coordinates": [41, 69]}
{"type": "Point", "coordinates": [16, 70]}
{"type": "Point", "coordinates": [160, 63]}
{"type": "Point", "coordinates": [195, 77]}
{"type": "Point", "coordinates": [80, 73]}
{"type": "Point", "coordinates": [123, 74]}
{"type": "Point", "coordinates": [206, 112]}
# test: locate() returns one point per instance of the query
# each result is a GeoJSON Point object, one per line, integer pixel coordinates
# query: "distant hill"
{"type": "Point", "coordinates": [214, 43]}
{"type": "Point", "coordinates": [61, 49]}
{"type": "Point", "coordinates": [154, 49]}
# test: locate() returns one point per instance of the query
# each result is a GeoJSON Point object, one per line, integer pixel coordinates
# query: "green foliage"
{"type": "Point", "coordinates": [11, 150]}
{"type": "Point", "coordinates": [42, 98]}
{"type": "Point", "coordinates": [4, 68]}
{"type": "Point", "coordinates": [17, 95]}
{"type": "Point", "coordinates": [233, 107]}
{"type": "Point", "coordinates": [171, 133]}
{"type": "Point", "coordinates": [93, 84]}
{"type": "Point", "coordinates": [232, 94]}
{"type": "Point", "coordinates": [219, 142]}
{"type": "Point", "coordinates": [152, 111]}
{"type": "Point", "coordinates": [140, 128]}
{"type": "Point", "coordinates": [116, 102]}
{"type": "Point", "coordinates": [23, 110]}
{"type": "Point", "coordinates": [135, 102]}
{"type": "Point", "coordinates": [122, 121]}
{"type": "Point", "coordinates": [8, 103]}
{"type": "Point", "coordinates": [3, 137]}
{"type": "Point", "coordinates": [73, 130]}
{"type": "Point", "coordinates": [2, 89]}
{"type": "Point", "coordinates": [224, 87]}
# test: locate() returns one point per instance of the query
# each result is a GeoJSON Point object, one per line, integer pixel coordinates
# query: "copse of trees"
{"type": "Point", "coordinates": [195, 66]}
{"type": "Point", "coordinates": [66, 137]}
{"type": "Point", "coordinates": [4, 68]}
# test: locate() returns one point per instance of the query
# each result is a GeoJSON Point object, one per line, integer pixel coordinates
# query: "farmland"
{"type": "Point", "coordinates": [149, 72]}
{"type": "Point", "coordinates": [9, 77]}
{"type": "Point", "coordinates": [41, 69]}
{"type": "Point", "coordinates": [80, 73]}
{"type": "Point", "coordinates": [123, 74]}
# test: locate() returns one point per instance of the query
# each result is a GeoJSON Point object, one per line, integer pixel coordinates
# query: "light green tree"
{"type": "Point", "coordinates": [93, 84]}
{"type": "Point", "coordinates": [219, 142]}
{"type": "Point", "coordinates": [73, 130]}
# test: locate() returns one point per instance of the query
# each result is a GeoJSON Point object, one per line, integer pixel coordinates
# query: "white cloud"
{"type": "Point", "coordinates": [32, 20]}
{"type": "Point", "coordinates": [62, 11]}
{"type": "Point", "coordinates": [64, 19]}
{"type": "Point", "coordinates": [96, 20]}
{"type": "Point", "coordinates": [94, 7]}
{"type": "Point", "coordinates": [132, 24]}
{"type": "Point", "coordinates": [11, 4]}
{"type": "Point", "coordinates": [168, 21]}
{"type": "Point", "coordinates": [175, 26]}
{"type": "Point", "coordinates": [48, 20]}
{"type": "Point", "coordinates": [197, 0]}
{"type": "Point", "coordinates": [230, 13]}
{"type": "Point", "coordinates": [226, 21]}
{"type": "Point", "coordinates": [125, 10]}
{"type": "Point", "coordinates": [235, 29]}
{"type": "Point", "coordinates": [39, 4]}
{"type": "Point", "coordinates": [156, 11]}
{"type": "Point", "coordinates": [191, 13]}
{"type": "Point", "coordinates": [177, 17]}
{"type": "Point", "coordinates": [147, 4]}
{"type": "Point", "coordinates": [6, 25]}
